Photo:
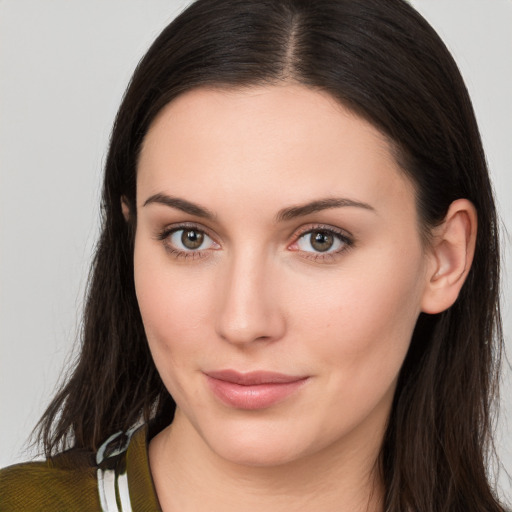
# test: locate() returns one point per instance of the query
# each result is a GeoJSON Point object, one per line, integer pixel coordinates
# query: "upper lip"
{"type": "Point", "coordinates": [253, 378]}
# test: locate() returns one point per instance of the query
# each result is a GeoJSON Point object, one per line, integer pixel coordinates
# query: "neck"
{"type": "Point", "coordinates": [188, 474]}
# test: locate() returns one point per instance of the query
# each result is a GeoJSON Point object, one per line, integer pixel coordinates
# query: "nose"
{"type": "Point", "coordinates": [249, 307]}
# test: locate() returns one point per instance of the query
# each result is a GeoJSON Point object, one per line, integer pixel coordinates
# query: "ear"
{"type": "Point", "coordinates": [452, 252]}
{"type": "Point", "coordinates": [125, 208]}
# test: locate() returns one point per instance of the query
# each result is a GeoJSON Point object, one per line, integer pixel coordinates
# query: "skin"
{"type": "Point", "coordinates": [257, 295]}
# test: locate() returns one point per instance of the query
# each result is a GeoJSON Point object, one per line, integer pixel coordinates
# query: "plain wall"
{"type": "Point", "coordinates": [64, 65]}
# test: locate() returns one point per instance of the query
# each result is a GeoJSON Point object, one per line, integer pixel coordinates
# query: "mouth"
{"type": "Point", "coordinates": [253, 390]}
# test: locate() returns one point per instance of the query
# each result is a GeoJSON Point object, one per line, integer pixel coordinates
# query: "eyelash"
{"type": "Point", "coordinates": [164, 235]}
{"type": "Point", "coordinates": [343, 237]}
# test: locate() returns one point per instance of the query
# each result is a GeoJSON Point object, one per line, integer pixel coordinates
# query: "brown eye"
{"type": "Point", "coordinates": [192, 239]}
{"type": "Point", "coordinates": [321, 241]}
{"type": "Point", "coordinates": [325, 241]}
{"type": "Point", "coordinates": [187, 240]}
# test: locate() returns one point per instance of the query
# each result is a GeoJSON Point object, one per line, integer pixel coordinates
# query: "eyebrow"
{"type": "Point", "coordinates": [180, 204]}
{"type": "Point", "coordinates": [319, 205]}
{"type": "Point", "coordinates": [285, 214]}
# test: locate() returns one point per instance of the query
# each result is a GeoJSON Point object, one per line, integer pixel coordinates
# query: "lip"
{"type": "Point", "coordinates": [253, 390]}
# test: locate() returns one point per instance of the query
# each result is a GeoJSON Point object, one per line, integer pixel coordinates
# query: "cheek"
{"type": "Point", "coordinates": [174, 316]}
{"type": "Point", "coordinates": [363, 318]}
{"type": "Point", "coordinates": [358, 331]}
{"type": "Point", "coordinates": [174, 306]}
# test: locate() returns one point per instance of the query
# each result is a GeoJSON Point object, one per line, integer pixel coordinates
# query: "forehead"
{"type": "Point", "coordinates": [285, 142]}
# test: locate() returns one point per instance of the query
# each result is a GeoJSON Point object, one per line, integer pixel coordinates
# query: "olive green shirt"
{"type": "Point", "coordinates": [69, 481]}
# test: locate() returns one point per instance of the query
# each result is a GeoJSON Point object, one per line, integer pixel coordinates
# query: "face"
{"type": "Point", "coordinates": [279, 271]}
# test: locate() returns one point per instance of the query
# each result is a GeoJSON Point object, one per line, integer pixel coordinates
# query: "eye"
{"type": "Point", "coordinates": [319, 241]}
{"type": "Point", "coordinates": [187, 241]}
{"type": "Point", "coordinates": [322, 241]}
{"type": "Point", "coordinates": [190, 239]}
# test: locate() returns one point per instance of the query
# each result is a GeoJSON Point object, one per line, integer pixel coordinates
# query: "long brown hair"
{"type": "Point", "coordinates": [382, 60]}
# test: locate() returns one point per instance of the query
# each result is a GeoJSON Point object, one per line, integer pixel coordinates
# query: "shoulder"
{"type": "Point", "coordinates": [65, 482]}
{"type": "Point", "coordinates": [116, 477]}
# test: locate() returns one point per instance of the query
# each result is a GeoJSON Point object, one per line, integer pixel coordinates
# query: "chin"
{"type": "Point", "coordinates": [258, 453]}
{"type": "Point", "coordinates": [257, 443]}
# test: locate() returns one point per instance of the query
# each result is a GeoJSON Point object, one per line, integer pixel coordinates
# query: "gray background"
{"type": "Point", "coordinates": [64, 65]}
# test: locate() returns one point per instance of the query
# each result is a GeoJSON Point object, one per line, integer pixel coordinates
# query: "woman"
{"type": "Point", "coordinates": [300, 247]}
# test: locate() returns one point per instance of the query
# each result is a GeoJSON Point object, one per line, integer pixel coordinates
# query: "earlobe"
{"type": "Point", "coordinates": [451, 256]}
{"type": "Point", "coordinates": [125, 208]}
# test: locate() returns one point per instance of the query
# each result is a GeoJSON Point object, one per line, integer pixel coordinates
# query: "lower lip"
{"type": "Point", "coordinates": [253, 397]}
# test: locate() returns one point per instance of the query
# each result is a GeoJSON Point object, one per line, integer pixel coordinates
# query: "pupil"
{"type": "Point", "coordinates": [321, 240]}
{"type": "Point", "coordinates": [192, 239]}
